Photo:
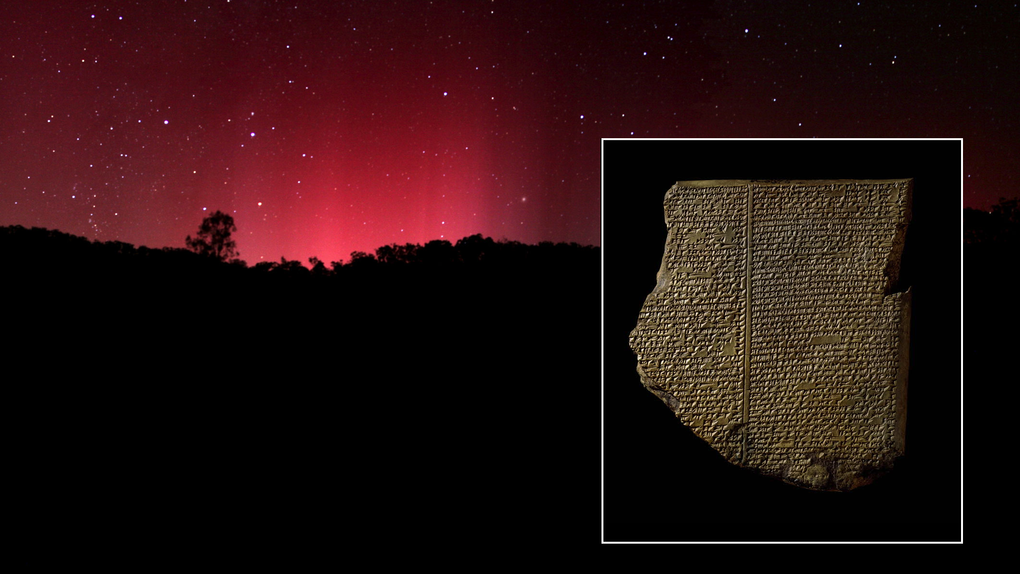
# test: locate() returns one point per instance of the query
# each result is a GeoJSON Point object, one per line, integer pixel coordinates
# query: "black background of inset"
{"type": "Point", "coordinates": [663, 483]}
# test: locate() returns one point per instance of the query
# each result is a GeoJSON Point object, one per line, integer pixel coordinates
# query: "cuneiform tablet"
{"type": "Point", "coordinates": [778, 329]}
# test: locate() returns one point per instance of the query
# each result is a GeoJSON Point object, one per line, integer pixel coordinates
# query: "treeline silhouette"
{"type": "Point", "coordinates": [49, 249]}
{"type": "Point", "coordinates": [991, 247]}
{"type": "Point", "coordinates": [447, 380]}
{"type": "Point", "coordinates": [998, 228]}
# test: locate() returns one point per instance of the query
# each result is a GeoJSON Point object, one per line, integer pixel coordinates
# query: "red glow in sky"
{"type": "Point", "coordinates": [329, 127]}
{"type": "Point", "coordinates": [321, 129]}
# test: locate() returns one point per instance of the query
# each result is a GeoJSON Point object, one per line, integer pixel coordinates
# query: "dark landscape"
{"type": "Point", "coordinates": [162, 395]}
{"type": "Point", "coordinates": [991, 251]}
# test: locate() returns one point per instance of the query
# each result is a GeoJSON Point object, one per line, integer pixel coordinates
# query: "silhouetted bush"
{"type": "Point", "coordinates": [999, 227]}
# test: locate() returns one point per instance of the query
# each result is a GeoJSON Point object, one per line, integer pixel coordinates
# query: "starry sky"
{"type": "Point", "coordinates": [329, 127]}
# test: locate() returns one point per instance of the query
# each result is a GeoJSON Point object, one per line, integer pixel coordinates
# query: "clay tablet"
{"type": "Point", "coordinates": [777, 331]}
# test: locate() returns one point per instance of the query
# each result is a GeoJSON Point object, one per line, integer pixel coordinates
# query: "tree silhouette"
{"type": "Point", "coordinates": [394, 253]}
{"type": "Point", "coordinates": [214, 239]}
{"type": "Point", "coordinates": [475, 248]}
{"type": "Point", "coordinates": [318, 267]}
{"type": "Point", "coordinates": [999, 227]}
{"type": "Point", "coordinates": [360, 260]}
{"type": "Point", "coordinates": [437, 252]}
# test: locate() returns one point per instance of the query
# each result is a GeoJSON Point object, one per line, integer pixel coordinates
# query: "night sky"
{"type": "Point", "coordinates": [330, 127]}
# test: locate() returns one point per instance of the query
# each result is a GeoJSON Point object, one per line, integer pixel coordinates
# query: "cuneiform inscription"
{"type": "Point", "coordinates": [773, 330]}
{"type": "Point", "coordinates": [825, 340]}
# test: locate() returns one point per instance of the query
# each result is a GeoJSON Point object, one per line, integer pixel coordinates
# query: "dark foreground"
{"type": "Point", "coordinates": [177, 405]}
